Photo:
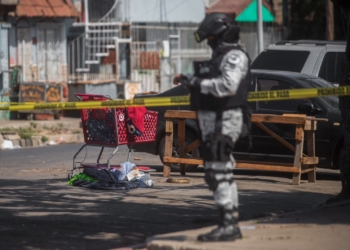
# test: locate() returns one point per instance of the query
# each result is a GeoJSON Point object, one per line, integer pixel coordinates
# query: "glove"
{"type": "Point", "coordinates": [194, 83]}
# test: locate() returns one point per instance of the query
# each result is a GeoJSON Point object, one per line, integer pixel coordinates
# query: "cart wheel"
{"type": "Point", "coordinates": [69, 174]}
{"type": "Point", "coordinates": [190, 137]}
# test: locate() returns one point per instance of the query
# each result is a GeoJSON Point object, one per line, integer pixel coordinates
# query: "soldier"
{"type": "Point", "coordinates": [219, 90]}
{"type": "Point", "coordinates": [344, 106]}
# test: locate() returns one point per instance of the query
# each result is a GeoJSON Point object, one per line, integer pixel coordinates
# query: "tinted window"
{"type": "Point", "coordinates": [328, 66]}
{"type": "Point", "coordinates": [281, 60]}
{"type": "Point", "coordinates": [332, 101]}
{"type": "Point", "coordinates": [270, 84]}
{"type": "Point", "coordinates": [331, 65]}
{"type": "Point", "coordinates": [339, 61]}
{"type": "Point", "coordinates": [280, 105]}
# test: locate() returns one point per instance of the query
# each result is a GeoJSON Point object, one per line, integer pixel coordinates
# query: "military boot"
{"type": "Point", "coordinates": [227, 230]}
{"type": "Point", "coordinates": [344, 193]}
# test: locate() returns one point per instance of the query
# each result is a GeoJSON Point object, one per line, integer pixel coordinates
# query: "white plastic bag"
{"type": "Point", "coordinates": [126, 167]}
{"type": "Point", "coordinates": [7, 144]}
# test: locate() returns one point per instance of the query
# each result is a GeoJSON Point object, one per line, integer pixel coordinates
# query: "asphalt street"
{"type": "Point", "coordinates": [39, 210]}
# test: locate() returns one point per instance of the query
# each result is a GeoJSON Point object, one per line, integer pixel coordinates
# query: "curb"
{"type": "Point", "coordinates": [15, 141]}
{"type": "Point", "coordinates": [36, 141]}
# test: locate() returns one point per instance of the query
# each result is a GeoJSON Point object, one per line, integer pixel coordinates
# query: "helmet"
{"type": "Point", "coordinates": [214, 24]}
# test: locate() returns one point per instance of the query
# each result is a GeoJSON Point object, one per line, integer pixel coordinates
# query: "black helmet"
{"type": "Point", "coordinates": [214, 24]}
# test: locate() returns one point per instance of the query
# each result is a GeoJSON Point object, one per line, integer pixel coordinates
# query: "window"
{"type": "Point", "coordinates": [333, 101]}
{"type": "Point", "coordinates": [331, 65]}
{"type": "Point", "coordinates": [280, 105]}
{"type": "Point", "coordinates": [281, 60]}
{"type": "Point", "coordinates": [327, 68]}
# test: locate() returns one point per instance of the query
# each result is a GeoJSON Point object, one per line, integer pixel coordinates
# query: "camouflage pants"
{"type": "Point", "coordinates": [225, 195]}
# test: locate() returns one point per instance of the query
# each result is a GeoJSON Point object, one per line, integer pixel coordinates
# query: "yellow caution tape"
{"type": "Point", "coordinates": [148, 102]}
{"type": "Point", "coordinates": [178, 100]}
{"type": "Point", "coordinates": [297, 93]}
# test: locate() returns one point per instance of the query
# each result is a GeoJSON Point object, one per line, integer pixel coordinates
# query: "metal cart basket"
{"type": "Point", "coordinates": [106, 127]}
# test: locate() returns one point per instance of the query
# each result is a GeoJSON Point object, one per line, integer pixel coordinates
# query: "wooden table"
{"type": "Point", "coordinates": [302, 163]}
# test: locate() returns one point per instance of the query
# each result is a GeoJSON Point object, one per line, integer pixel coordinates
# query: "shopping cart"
{"type": "Point", "coordinates": [106, 127]}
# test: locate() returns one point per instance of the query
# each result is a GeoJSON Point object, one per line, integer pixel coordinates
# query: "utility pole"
{"type": "Point", "coordinates": [160, 10]}
{"type": "Point", "coordinates": [330, 20]}
{"type": "Point", "coordinates": [260, 27]}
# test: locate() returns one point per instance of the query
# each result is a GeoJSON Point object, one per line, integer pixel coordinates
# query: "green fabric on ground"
{"type": "Point", "coordinates": [81, 176]}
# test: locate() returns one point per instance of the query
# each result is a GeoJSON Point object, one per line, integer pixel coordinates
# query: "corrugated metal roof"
{"type": "Point", "coordinates": [46, 8]}
{"type": "Point", "coordinates": [232, 6]}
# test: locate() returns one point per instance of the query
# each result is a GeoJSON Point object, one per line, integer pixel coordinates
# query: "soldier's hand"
{"type": "Point", "coordinates": [180, 79]}
{"type": "Point", "coordinates": [187, 83]}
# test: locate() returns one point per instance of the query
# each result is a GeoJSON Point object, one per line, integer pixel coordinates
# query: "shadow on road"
{"type": "Point", "coordinates": [49, 214]}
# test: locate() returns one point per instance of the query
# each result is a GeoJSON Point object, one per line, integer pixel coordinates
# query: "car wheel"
{"type": "Point", "coordinates": [190, 137]}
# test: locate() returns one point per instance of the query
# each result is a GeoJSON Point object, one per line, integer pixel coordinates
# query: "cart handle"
{"type": "Point", "coordinates": [92, 97]}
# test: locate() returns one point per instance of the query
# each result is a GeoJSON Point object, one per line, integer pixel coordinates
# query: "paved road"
{"type": "Point", "coordinates": [38, 210]}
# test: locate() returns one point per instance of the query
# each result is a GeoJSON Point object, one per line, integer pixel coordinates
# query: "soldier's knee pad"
{"type": "Point", "coordinates": [217, 147]}
{"type": "Point", "coordinates": [212, 180]}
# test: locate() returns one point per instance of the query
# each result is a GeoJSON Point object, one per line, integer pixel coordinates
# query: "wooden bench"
{"type": "Point", "coordinates": [302, 163]}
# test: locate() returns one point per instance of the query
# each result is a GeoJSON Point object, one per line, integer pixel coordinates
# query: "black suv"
{"type": "Point", "coordinates": [328, 134]}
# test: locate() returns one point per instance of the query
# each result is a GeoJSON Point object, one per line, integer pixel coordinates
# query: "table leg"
{"type": "Point", "coordinates": [169, 133]}
{"type": "Point", "coordinates": [311, 153]}
{"type": "Point", "coordinates": [299, 136]}
{"type": "Point", "coordinates": [182, 144]}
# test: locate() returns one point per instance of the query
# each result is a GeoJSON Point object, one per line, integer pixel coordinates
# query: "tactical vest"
{"type": "Point", "coordinates": [211, 69]}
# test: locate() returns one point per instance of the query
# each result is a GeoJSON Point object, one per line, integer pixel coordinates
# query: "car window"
{"type": "Point", "coordinates": [339, 61]}
{"type": "Point", "coordinates": [281, 60]}
{"type": "Point", "coordinates": [273, 85]}
{"type": "Point", "coordinates": [333, 101]}
{"type": "Point", "coordinates": [331, 65]}
{"type": "Point", "coordinates": [280, 105]}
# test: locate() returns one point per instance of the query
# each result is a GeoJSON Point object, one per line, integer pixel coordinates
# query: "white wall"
{"type": "Point", "coordinates": [167, 10]}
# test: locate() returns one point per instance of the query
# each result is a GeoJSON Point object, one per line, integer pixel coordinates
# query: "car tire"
{"type": "Point", "coordinates": [190, 137]}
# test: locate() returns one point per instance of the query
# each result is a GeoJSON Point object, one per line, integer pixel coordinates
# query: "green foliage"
{"type": "Point", "coordinates": [26, 133]}
{"type": "Point", "coordinates": [7, 129]}
{"type": "Point", "coordinates": [33, 124]}
{"type": "Point", "coordinates": [44, 139]}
